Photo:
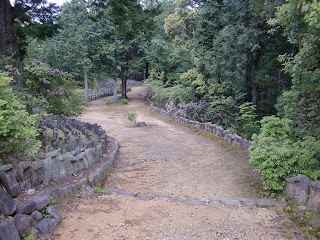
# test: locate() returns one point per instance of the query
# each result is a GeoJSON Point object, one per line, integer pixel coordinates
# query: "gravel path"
{"type": "Point", "coordinates": [159, 162]}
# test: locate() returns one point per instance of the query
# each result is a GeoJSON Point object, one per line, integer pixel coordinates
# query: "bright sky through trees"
{"type": "Point", "coordinates": [59, 2]}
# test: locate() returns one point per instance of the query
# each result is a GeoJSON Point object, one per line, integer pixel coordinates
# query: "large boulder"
{"type": "Point", "coordinates": [41, 201]}
{"type": "Point", "coordinates": [26, 207]}
{"type": "Point", "coordinates": [7, 204]}
{"type": "Point", "coordinates": [23, 223]}
{"type": "Point", "coordinates": [314, 197]}
{"type": "Point", "coordinates": [9, 181]}
{"type": "Point", "coordinates": [298, 188]}
{"type": "Point", "coordinates": [8, 230]}
{"type": "Point", "coordinates": [37, 216]}
{"type": "Point", "coordinates": [54, 213]}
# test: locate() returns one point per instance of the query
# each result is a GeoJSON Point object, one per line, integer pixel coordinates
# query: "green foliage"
{"type": "Point", "coordinates": [195, 80]}
{"type": "Point", "coordinates": [109, 101]}
{"type": "Point", "coordinates": [54, 202]}
{"type": "Point", "coordinates": [221, 111]}
{"type": "Point", "coordinates": [234, 50]}
{"type": "Point", "coordinates": [279, 154]}
{"type": "Point", "coordinates": [180, 24]}
{"type": "Point", "coordinates": [97, 189]}
{"type": "Point", "coordinates": [124, 101]}
{"type": "Point", "coordinates": [3, 162]}
{"type": "Point", "coordinates": [81, 42]}
{"type": "Point", "coordinates": [28, 237]}
{"type": "Point", "coordinates": [160, 95]}
{"type": "Point", "coordinates": [43, 212]}
{"type": "Point", "coordinates": [132, 116]}
{"type": "Point", "coordinates": [300, 24]}
{"type": "Point", "coordinates": [179, 93]}
{"type": "Point", "coordinates": [18, 129]}
{"type": "Point", "coordinates": [54, 86]}
{"type": "Point", "coordinates": [247, 122]}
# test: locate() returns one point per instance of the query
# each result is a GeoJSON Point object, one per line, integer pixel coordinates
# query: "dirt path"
{"type": "Point", "coordinates": [165, 158]}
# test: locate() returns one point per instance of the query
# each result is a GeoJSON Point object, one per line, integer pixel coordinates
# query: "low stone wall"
{"type": "Point", "coordinates": [106, 89]}
{"type": "Point", "coordinates": [84, 145]}
{"type": "Point", "coordinates": [232, 139]}
{"type": "Point", "coordinates": [55, 164]}
{"type": "Point", "coordinates": [38, 215]}
{"type": "Point", "coordinates": [304, 191]}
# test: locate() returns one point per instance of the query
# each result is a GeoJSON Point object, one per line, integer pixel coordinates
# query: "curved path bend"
{"type": "Point", "coordinates": [166, 159]}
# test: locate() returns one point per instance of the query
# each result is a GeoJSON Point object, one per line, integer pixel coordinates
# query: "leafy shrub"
{"type": "Point", "coordinates": [98, 189]}
{"type": "Point", "coordinates": [180, 93]}
{"type": "Point", "coordinates": [124, 101]}
{"type": "Point", "coordinates": [132, 116]}
{"type": "Point", "coordinates": [160, 95]}
{"type": "Point", "coordinates": [109, 101]}
{"type": "Point", "coordinates": [279, 154]}
{"type": "Point", "coordinates": [195, 80]}
{"type": "Point", "coordinates": [53, 85]}
{"type": "Point", "coordinates": [221, 111]}
{"type": "Point", "coordinates": [18, 129]}
{"type": "Point", "coordinates": [28, 237]}
{"type": "Point", "coordinates": [246, 122]}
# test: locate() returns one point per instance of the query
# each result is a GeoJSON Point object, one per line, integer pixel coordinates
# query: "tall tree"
{"type": "Point", "coordinates": [132, 21]}
{"type": "Point", "coordinates": [300, 24]}
{"type": "Point", "coordinates": [80, 44]}
{"type": "Point", "coordinates": [34, 18]}
{"type": "Point", "coordinates": [235, 50]}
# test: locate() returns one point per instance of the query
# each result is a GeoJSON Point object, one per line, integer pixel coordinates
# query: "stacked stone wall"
{"type": "Point", "coordinates": [85, 145]}
{"type": "Point", "coordinates": [55, 163]}
{"type": "Point", "coordinates": [304, 191]}
{"type": "Point", "coordinates": [217, 130]}
{"type": "Point", "coordinates": [106, 89]}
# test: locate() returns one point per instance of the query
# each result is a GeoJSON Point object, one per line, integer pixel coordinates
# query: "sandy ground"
{"type": "Point", "coordinates": [166, 158]}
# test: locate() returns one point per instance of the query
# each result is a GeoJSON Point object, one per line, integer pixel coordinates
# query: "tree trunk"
{"type": "Point", "coordinates": [85, 82]}
{"type": "Point", "coordinates": [124, 87]}
{"type": "Point", "coordinates": [115, 90]}
{"type": "Point", "coordinates": [147, 70]}
{"type": "Point", "coordinates": [8, 43]}
{"type": "Point", "coordinates": [254, 94]}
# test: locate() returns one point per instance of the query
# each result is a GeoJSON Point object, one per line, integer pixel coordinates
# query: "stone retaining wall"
{"type": "Point", "coordinates": [55, 164]}
{"type": "Point", "coordinates": [106, 89]}
{"type": "Point", "coordinates": [38, 215]}
{"type": "Point", "coordinates": [81, 146]}
{"type": "Point", "coordinates": [232, 139]}
{"type": "Point", "coordinates": [85, 144]}
{"type": "Point", "coordinates": [304, 191]}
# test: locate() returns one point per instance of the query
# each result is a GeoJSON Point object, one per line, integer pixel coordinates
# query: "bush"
{"type": "Point", "coordinates": [109, 101]}
{"type": "Point", "coordinates": [124, 101]}
{"type": "Point", "coordinates": [195, 80]}
{"type": "Point", "coordinates": [18, 129]}
{"type": "Point", "coordinates": [132, 116]}
{"type": "Point", "coordinates": [55, 86]}
{"type": "Point", "coordinates": [221, 111]}
{"type": "Point", "coordinates": [246, 122]}
{"type": "Point", "coordinates": [279, 154]}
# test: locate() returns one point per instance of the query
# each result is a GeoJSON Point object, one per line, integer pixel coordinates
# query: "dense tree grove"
{"type": "Point", "coordinates": [250, 66]}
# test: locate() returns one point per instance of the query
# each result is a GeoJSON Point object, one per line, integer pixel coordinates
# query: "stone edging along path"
{"type": "Point", "coordinates": [232, 139]}
{"type": "Point", "coordinates": [97, 176]}
{"type": "Point", "coordinates": [239, 202]}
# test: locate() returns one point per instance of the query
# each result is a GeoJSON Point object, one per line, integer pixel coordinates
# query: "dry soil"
{"type": "Point", "coordinates": [166, 158]}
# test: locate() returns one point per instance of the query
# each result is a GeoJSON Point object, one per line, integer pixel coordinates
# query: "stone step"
{"type": "Point", "coordinates": [237, 202]}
